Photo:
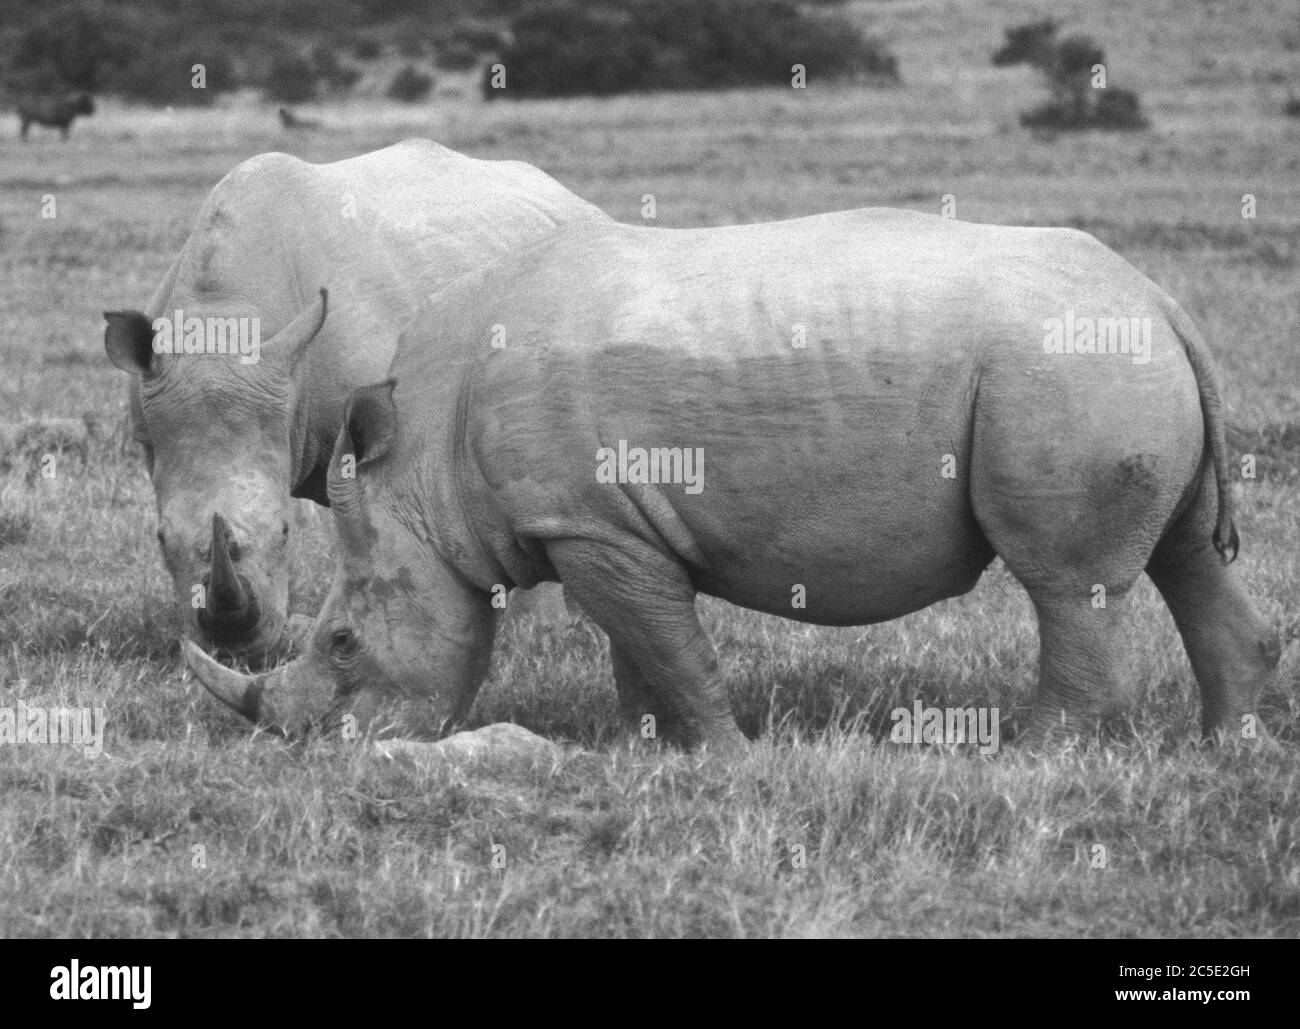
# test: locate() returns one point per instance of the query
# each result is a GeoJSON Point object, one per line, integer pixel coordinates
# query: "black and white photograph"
{"type": "Point", "coordinates": [650, 469]}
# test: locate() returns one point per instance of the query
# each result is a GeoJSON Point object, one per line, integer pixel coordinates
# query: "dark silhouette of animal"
{"type": "Point", "coordinates": [54, 112]}
{"type": "Point", "coordinates": [291, 121]}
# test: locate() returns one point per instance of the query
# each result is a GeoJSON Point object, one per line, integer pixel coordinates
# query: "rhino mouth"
{"type": "Point", "coordinates": [232, 626]}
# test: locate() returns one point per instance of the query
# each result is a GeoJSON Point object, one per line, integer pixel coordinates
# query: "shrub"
{"type": "Point", "coordinates": [410, 85]}
{"type": "Point", "coordinates": [466, 44]}
{"type": "Point", "coordinates": [458, 56]}
{"type": "Point", "coordinates": [167, 77]}
{"type": "Point", "coordinates": [1118, 109]}
{"type": "Point", "coordinates": [1073, 59]}
{"type": "Point", "coordinates": [615, 46]}
{"type": "Point", "coordinates": [1114, 109]}
{"type": "Point", "coordinates": [365, 48]}
{"type": "Point", "coordinates": [80, 44]}
{"type": "Point", "coordinates": [1060, 114]}
{"type": "Point", "coordinates": [1068, 63]}
{"type": "Point", "coordinates": [328, 69]}
{"type": "Point", "coordinates": [1032, 43]}
{"type": "Point", "coordinates": [291, 80]}
{"type": "Point", "coordinates": [562, 49]}
{"type": "Point", "coordinates": [479, 35]}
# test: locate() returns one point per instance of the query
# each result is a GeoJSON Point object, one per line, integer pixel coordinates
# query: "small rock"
{"type": "Point", "coordinates": [500, 745]}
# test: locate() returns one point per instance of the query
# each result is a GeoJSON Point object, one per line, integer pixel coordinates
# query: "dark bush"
{"type": "Point", "coordinates": [366, 49]}
{"type": "Point", "coordinates": [615, 46]}
{"type": "Point", "coordinates": [1032, 43]}
{"type": "Point", "coordinates": [291, 80]}
{"type": "Point", "coordinates": [1118, 109]}
{"type": "Point", "coordinates": [1074, 58]}
{"type": "Point", "coordinates": [167, 77]}
{"type": "Point", "coordinates": [1060, 114]}
{"type": "Point", "coordinates": [1075, 104]}
{"type": "Point", "coordinates": [241, 37]}
{"type": "Point", "coordinates": [466, 44]}
{"type": "Point", "coordinates": [306, 15]}
{"type": "Point", "coordinates": [1292, 107]}
{"type": "Point", "coordinates": [413, 46]}
{"type": "Point", "coordinates": [329, 70]}
{"type": "Point", "coordinates": [410, 85]}
{"type": "Point", "coordinates": [476, 34]}
{"type": "Point", "coordinates": [81, 43]}
{"type": "Point", "coordinates": [1114, 109]}
{"type": "Point", "coordinates": [458, 56]}
{"type": "Point", "coordinates": [562, 49]}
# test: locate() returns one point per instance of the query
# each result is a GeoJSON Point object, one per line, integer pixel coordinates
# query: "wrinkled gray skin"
{"type": "Point", "coordinates": [227, 444]}
{"type": "Point", "coordinates": [822, 465]}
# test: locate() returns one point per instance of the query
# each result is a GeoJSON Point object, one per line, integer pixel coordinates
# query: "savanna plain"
{"type": "Point", "coordinates": [188, 825]}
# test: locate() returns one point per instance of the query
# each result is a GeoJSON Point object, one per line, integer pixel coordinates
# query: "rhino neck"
{"type": "Point", "coordinates": [309, 450]}
{"type": "Point", "coordinates": [436, 487]}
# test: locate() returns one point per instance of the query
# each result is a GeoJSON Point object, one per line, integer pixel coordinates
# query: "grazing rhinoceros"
{"type": "Point", "coordinates": [229, 436]}
{"type": "Point", "coordinates": [54, 112]}
{"type": "Point", "coordinates": [854, 412]}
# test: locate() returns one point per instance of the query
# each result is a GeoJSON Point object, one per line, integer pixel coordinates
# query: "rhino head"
{"type": "Point", "coordinates": [216, 438]}
{"type": "Point", "coordinates": [403, 637]}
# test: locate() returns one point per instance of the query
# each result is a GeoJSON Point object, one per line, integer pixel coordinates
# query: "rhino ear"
{"type": "Point", "coordinates": [290, 343]}
{"type": "Point", "coordinates": [370, 422]}
{"type": "Point", "coordinates": [128, 340]}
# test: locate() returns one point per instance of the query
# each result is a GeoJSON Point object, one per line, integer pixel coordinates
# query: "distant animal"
{"type": "Point", "coordinates": [839, 419]}
{"type": "Point", "coordinates": [292, 121]}
{"type": "Point", "coordinates": [229, 437]}
{"type": "Point", "coordinates": [54, 112]}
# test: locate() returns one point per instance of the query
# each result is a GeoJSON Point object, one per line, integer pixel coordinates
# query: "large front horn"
{"type": "Point", "coordinates": [226, 594]}
{"type": "Point", "coordinates": [240, 693]}
{"type": "Point", "coordinates": [292, 340]}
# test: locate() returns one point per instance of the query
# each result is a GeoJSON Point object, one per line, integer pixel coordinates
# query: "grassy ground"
{"type": "Point", "coordinates": [618, 839]}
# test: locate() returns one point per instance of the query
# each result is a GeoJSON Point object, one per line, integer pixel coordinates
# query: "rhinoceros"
{"type": "Point", "coordinates": [840, 419]}
{"type": "Point", "coordinates": [230, 437]}
{"type": "Point", "coordinates": [54, 112]}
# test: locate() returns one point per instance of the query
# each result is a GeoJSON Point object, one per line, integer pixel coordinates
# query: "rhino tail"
{"type": "Point", "coordinates": [1226, 540]}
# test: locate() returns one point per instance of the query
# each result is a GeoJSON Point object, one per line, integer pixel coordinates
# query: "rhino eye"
{"type": "Point", "coordinates": [343, 642]}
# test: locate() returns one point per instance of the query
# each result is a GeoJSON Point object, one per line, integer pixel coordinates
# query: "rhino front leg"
{"type": "Point", "coordinates": [663, 661]}
{"type": "Point", "coordinates": [635, 698]}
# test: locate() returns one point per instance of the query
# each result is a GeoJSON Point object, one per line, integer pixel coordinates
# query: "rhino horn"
{"type": "Point", "coordinates": [241, 693]}
{"type": "Point", "coordinates": [226, 594]}
{"type": "Point", "coordinates": [292, 340]}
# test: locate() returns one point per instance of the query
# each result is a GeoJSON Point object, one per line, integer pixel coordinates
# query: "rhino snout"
{"type": "Point", "coordinates": [231, 613]}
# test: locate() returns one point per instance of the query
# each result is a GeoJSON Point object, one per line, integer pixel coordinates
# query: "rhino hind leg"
{"type": "Point", "coordinates": [1233, 651]}
{"type": "Point", "coordinates": [1081, 659]}
{"type": "Point", "coordinates": [664, 664]}
{"type": "Point", "coordinates": [1077, 539]}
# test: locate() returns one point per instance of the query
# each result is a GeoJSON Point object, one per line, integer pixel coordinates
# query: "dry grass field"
{"type": "Point", "coordinates": [186, 825]}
